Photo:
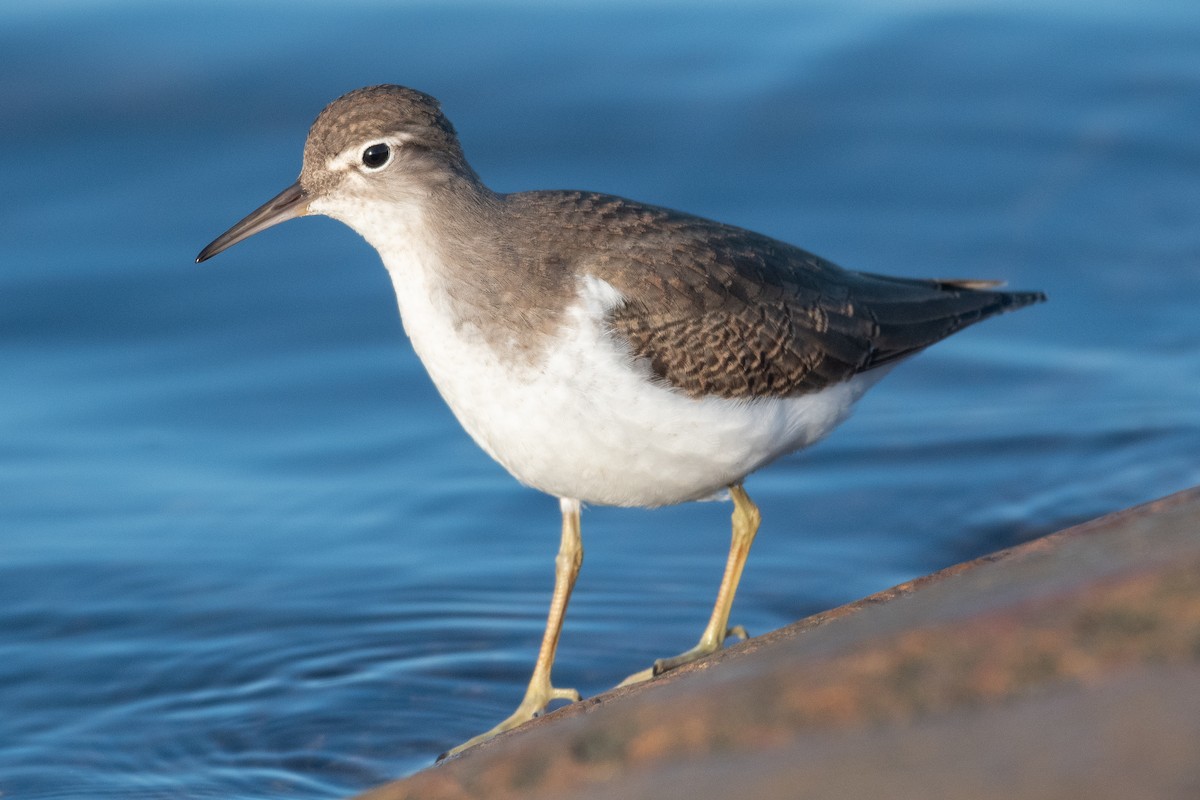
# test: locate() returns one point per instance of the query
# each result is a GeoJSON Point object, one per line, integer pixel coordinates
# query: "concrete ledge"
{"type": "Point", "coordinates": [1066, 667]}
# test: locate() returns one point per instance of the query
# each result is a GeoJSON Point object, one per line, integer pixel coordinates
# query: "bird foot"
{"type": "Point", "coordinates": [706, 646]}
{"type": "Point", "coordinates": [537, 697]}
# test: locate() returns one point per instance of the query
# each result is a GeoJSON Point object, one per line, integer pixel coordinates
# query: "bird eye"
{"type": "Point", "coordinates": [376, 156]}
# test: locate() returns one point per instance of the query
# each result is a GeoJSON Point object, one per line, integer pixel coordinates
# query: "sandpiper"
{"type": "Point", "coordinates": [603, 350]}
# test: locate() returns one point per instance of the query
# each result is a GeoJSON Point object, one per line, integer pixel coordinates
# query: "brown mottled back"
{"type": "Point", "coordinates": [720, 311]}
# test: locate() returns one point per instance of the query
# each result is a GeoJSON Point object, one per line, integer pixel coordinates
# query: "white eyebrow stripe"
{"type": "Point", "coordinates": [350, 156]}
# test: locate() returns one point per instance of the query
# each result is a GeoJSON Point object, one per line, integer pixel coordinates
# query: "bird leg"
{"type": "Point", "coordinates": [746, 518]}
{"type": "Point", "coordinates": [540, 691]}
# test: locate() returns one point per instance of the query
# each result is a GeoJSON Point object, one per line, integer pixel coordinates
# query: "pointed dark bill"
{"type": "Point", "coordinates": [292, 202]}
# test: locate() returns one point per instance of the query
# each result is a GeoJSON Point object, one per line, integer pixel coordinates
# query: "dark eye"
{"type": "Point", "coordinates": [376, 156]}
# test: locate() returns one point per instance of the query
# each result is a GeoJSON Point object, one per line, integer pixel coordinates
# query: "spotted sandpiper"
{"type": "Point", "coordinates": [602, 350]}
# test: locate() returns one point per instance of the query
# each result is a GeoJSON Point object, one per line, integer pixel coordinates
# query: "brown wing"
{"type": "Point", "coordinates": [725, 312]}
{"type": "Point", "coordinates": [720, 311]}
{"type": "Point", "coordinates": [786, 348]}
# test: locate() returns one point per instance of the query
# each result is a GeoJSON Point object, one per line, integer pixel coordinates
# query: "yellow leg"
{"type": "Point", "coordinates": [745, 525]}
{"type": "Point", "coordinates": [540, 691]}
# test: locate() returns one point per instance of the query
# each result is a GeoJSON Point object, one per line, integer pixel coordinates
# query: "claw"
{"type": "Point", "coordinates": [534, 704]}
{"type": "Point", "coordinates": [637, 677]}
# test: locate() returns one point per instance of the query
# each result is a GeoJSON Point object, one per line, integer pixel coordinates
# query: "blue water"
{"type": "Point", "coordinates": [245, 551]}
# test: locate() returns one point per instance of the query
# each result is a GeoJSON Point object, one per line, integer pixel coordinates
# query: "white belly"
{"type": "Point", "coordinates": [587, 423]}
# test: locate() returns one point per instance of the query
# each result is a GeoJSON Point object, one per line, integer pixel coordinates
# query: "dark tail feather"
{"type": "Point", "coordinates": [908, 325]}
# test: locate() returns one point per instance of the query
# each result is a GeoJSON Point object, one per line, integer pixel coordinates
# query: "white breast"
{"type": "Point", "coordinates": [586, 422]}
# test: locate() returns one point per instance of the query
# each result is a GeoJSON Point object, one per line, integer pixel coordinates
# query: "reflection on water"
{"type": "Point", "coordinates": [244, 549]}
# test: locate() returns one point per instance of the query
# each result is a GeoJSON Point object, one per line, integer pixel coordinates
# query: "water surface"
{"type": "Point", "coordinates": [245, 551]}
